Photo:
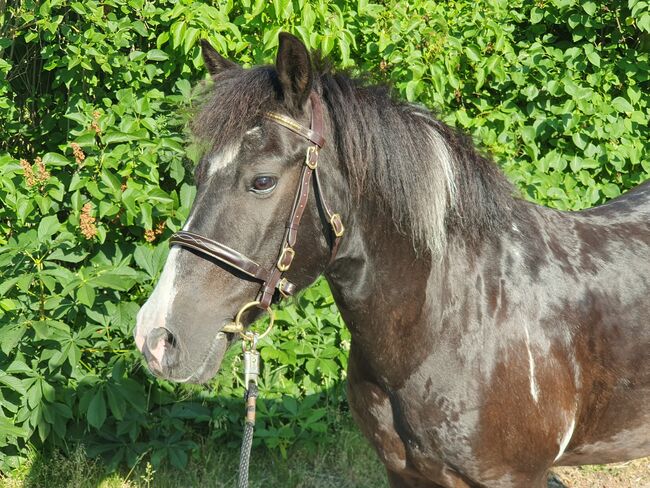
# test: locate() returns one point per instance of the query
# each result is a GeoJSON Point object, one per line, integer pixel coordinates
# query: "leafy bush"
{"type": "Point", "coordinates": [94, 98]}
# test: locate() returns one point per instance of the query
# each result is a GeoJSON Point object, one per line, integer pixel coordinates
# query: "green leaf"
{"type": "Point", "coordinates": [86, 295]}
{"type": "Point", "coordinates": [42, 330]}
{"type": "Point", "coordinates": [185, 87]}
{"type": "Point", "coordinates": [620, 104]}
{"type": "Point", "coordinates": [178, 458]}
{"type": "Point", "coordinates": [643, 22]}
{"type": "Point", "coordinates": [611, 190]}
{"type": "Point", "coordinates": [7, 428]}
{"type": "Point", "coordinates": [115, 280]}
{"type": "Point", "coordinates": [47, 391]}
{"type": "Point", "coordinates": [590, 7]}
{"type": "Point", "coordinates": [10, 336]}
{"type": "Point", "coordinates": [116, 403]}
{"type": "Point", "coordinates": [111, 180]}
{"type": "Point", "coordinates": [594, 58]}
{"type": "Point", "coordinates": [157, 55]}
{"type": "Point", "coordinates": [473, 53]}
{"type": "Point", "coordinates": [115, 137]}
{"type": "Point", "coordinates": [6, 285]}
{"type": "Point", "coordinates": [75, 256]}
{"type": "Point", "coordinates": [81, 119]}
{"type": "Point", "coordinates": [34, 395]}
{"type": "Point", "coordinates": [536, 15]}
{"type": "Point", "coordinates": [580, 140]}
{"type": "Point", "coordinates": [178, 32]}
{"type": "Point", "coordinates": [49, 225]}
{"type": "Point", "coordinates": [12, 382]}
{"type": "Point", "coordinates": [55, 159]}
{"type": "Point", "coordinates": [191, 36]}
{"type": "Point", "coordinates": [96, 414]}
{"type": "Point", "coordinates": [143, 256]}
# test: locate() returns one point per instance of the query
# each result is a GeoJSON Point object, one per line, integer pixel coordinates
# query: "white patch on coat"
{"type": "Point", "coordinates": [534, 389]}
{"type": "Point", "coordinates": [154, 312]}
{"type": "Point", "coordinates": [222, 159]}
{"type": "Point", "coordinates": [566, 438]}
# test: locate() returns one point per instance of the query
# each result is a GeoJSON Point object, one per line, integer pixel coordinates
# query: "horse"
{"type": "Point", "coordinates": [491, 338]}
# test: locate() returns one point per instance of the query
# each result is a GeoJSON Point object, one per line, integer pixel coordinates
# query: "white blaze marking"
{"type": "Point", "coordinates": [222, 159]}
{"type": "Point", "coordinates": [153, 313]}
{"type": "Point", "coordinates": [534, 390]}
{"type": "Point", "coordinates": [139, 339]}
{"type": "Point", "coordinates": [565, 440]}
{"type": "Point", "coordinates": [167, 283]}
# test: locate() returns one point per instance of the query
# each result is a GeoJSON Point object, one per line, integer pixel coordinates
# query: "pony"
{"type": "Point", "coordinates": [492, 338]}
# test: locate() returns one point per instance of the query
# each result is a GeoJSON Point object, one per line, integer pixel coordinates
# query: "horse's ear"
{"type": "Point", "coordinates": [294, 70]}
{"type": "Point", "coordinates": [214, 61]}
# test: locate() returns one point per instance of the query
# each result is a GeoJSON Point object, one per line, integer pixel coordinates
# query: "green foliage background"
{"type": "Point", "coordinates": [557, 90]}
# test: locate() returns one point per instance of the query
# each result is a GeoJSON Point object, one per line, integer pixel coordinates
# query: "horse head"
{"type": "Point", "coordinates": [238, 245]}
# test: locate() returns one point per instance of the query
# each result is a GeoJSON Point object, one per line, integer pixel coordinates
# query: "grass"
{"type": "Point", "coordinates": [345, 461]}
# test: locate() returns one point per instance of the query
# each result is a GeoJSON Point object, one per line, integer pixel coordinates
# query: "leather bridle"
{"type": "Point", "coordinates": [273, 279]}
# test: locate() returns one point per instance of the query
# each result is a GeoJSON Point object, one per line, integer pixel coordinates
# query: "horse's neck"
{"type": "Point", "coordinates": [379, 282]}
{"type": "Point", "coordinates": [398, 302]}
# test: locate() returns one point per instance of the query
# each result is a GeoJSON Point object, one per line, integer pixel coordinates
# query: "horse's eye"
{"type": "Point", "coordinates": [264, 184]}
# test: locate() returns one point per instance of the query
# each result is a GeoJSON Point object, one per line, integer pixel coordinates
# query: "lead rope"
{"type": "Point", "coordinates": [251, 373]}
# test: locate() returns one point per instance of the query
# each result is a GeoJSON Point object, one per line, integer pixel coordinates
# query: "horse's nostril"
{"type": "Point", "coordinates": [171, 340]}
{"type": "Point", "coordinates": [160, 337]}
{"type": "Point", "coordinates": [161, 348]}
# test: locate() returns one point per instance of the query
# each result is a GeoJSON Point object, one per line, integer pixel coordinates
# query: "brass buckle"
{"type": "Point", "coordinates": [338, 229]}
{"type": "Point", "coordinates": [308, 161]}
{"type": "Point", "coordinates": [286, 250]}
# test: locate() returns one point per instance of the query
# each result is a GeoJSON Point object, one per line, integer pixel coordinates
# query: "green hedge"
{"type": "Point", "coordinates": [94, 100]}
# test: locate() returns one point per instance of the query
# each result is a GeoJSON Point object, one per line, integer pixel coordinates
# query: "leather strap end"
{"type": "Point", "coordinates": [286, 288]}
{"type": "Point", "coordinates": [316, 139]}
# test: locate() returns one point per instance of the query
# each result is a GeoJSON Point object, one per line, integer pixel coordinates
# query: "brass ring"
{"type": "Point", "coordinates": [251, 305]}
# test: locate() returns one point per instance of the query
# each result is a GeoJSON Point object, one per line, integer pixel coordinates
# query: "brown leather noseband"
{"type": "Point", "coordinates": [273, 278]}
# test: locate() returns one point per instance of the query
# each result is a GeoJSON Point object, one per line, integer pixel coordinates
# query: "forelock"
{"type": "Point", "coordinates": [234, 105]}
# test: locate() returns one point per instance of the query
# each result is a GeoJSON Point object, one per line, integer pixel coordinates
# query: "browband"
{"type": "Point", "coordinates": [315, 133]}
